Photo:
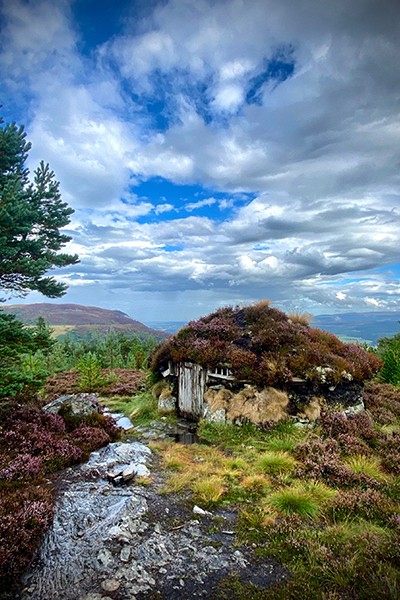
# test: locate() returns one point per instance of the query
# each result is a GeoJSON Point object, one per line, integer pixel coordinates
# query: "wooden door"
{"type": "Point", "coordinates": [192, 381]}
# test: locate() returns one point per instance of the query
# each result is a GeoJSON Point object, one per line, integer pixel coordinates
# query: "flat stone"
{"type": "Point", "coordinates": [141, 470]}
{"type": "Point", "coordinates": [129, 473]}
{"type": "Point", "coordinates": [110, 585]}
{"type": "Point", "coordinates": [125, 554]}
{"type": "Point", "coordinates": [199, 511]}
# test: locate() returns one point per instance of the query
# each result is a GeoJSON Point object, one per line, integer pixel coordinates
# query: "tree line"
{"type": "Point", "coordinates": [28, 355]}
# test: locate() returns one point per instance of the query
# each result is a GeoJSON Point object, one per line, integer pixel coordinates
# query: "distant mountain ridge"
{"type": "Point", "coordinates": [81, 321]}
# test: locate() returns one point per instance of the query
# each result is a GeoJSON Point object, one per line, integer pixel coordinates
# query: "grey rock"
{"type": "Point", "coordinates": [80, 405]}
{"type": "Point", "coordinates": [110, 585]}
{"type": "Point", "coordinates": [125, 554]}
{"type": "Point", "coordinates": [168, 404]}
{"type": "Point", "coordinates": [200, 511]}
{"type": "Point", "coordinates": [129, 473]}
{"type": "Point", "coordinates": [354, 410]}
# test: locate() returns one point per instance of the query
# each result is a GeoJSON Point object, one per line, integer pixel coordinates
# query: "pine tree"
{"type": "Point", "coordinates": [31, 216]}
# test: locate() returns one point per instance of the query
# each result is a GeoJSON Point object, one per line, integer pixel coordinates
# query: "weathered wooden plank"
{"type": "Point", "coordinates": [192, 379]}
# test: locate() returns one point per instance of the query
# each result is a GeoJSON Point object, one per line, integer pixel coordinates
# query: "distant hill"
{"type": "Point", "coordinates": [362, 326]}
{"type": "Point", "coordinates": [82, 321]}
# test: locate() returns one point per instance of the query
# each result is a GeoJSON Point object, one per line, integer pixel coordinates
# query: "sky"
{"type": "Point", "coordinates": [216, 152]}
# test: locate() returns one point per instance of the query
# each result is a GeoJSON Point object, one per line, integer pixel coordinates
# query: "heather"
{"type": "Point", "coordinates": [263, 345]}
{"type": "Point", "coordinates": [33, 445]}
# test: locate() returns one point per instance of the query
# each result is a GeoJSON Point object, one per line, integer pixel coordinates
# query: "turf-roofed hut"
{"type": "Point", "coordinates": [256, 363]}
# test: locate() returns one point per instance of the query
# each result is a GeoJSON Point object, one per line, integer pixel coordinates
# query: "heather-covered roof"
{"type": "Point", "coordinates": [265, 346]}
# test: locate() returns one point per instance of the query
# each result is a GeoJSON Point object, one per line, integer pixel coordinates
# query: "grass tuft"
{"type": "Point", "coordinates": [294, 500]}
{"type": "Point", "coordinates": [369, 465]}
{"type": "Point", "coordinates": [209, 491]}
{"type": "Point", "coordinates": [276, 463]}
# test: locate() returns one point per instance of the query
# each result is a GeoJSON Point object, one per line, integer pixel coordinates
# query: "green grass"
{"type": "Point", "coordinates": [288, 501]}
{"type": "Point", "coordinates": [369, 465]}
{"type": "Point", "coordinates": [141, 409]}
{"type": "Point", "coordinates": [276, 463]}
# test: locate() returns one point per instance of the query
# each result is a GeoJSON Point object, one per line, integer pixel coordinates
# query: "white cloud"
{"type": "Point", "coordinates": [200, 204]}
{"type": "Point", "coordinates": [163, 208]}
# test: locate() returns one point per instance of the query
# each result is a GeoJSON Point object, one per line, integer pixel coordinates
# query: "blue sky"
{"type": "Point", "coordinates": [216, 151]}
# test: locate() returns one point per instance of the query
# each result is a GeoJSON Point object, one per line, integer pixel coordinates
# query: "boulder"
{"type": "Point", "coordinates": [79, 405]}
{"type": "Point", "coordinates": [167, 404]}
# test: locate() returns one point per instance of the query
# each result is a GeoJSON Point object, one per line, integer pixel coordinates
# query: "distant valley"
{"type": "Point", "coordinates": [82, 321]}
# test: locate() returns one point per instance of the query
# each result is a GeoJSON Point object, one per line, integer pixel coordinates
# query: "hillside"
{"type": "Point", "coordinates": [82, 321]}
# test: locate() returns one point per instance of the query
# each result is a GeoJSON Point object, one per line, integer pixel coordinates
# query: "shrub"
{"type": "Point", "coordinates": [360, 504]}
{"type": "Point", "coordinates": [25, 514]}
{"type": "Point", "coordinates": [335, 424]}
{"type": "Point", "coordinates": [321, 461]}
{"type": "Point", "coordinates": [89, 438]}
{"type": "Point", "coordinates": [390, 452]}
{"type": "Point", "coordinates": [379, 397]}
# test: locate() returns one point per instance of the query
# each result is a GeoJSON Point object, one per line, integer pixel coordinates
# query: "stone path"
{"type": "Point", "coordinates": [131, 543]}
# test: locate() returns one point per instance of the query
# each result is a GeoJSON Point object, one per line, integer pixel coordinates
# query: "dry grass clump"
{"type": "Point", "coordinates": [209, 491]}
{"type": "Point", "coordinates": [217, 400]}
{"type": "Point", "coordinates": [158, 388]}
{"type": "Point", "coordinates": [256, 483]}
{"type": "Point", "coordinates": [301, 318]}
{"type": "Point", "coordinates": [312, 410]}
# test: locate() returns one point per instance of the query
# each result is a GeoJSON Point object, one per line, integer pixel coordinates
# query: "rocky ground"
{"type": "Point", "coordinates": [130, 542]}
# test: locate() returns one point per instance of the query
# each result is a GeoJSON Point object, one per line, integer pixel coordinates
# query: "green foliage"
{"type": "Point", "coordinates": [294, 500]}
{"type": "Point", "coordinates": [19, 370]}
{"type": "Point", "coordinates": [389, 352]}
{"type": "Point", "coordinates": [140, 409]}
{"type": "Point", "coordinates": [31, 216]}
{"type": "Point", "coordinates": [90, 370]}
{"type": "Point", "coordinates": [276, 462]}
